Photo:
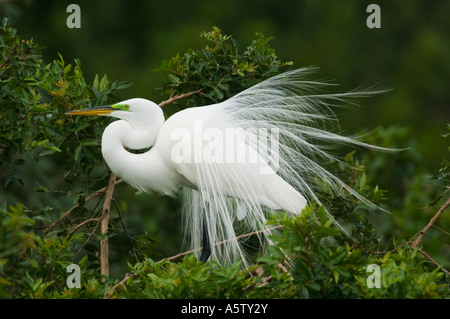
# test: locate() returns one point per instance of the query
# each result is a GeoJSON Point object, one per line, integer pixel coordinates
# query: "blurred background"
{"type": "Point", "coordinates": [409, 54]}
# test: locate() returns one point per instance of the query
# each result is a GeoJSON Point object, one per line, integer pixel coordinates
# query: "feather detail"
{"type": "Point", "coordinates": [298, 121]}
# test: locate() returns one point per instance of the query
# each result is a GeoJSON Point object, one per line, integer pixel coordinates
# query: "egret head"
{"type": "Point", "coordinates": [136, 111]}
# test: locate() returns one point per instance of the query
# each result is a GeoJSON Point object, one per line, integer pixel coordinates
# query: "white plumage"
{"type": "Point", "coordinates": [234, 161]}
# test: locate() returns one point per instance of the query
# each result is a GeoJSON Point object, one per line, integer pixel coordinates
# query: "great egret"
{"type": "Point", "coordinates": [258, 151]}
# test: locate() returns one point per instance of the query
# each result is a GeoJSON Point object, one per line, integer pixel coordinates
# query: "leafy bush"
{"type": "Point", "coordinates": [219, 70]}
{"type": "Point", "coordinates": [36, 138]}
{"type": "Point", "coordinates": [48, 223]}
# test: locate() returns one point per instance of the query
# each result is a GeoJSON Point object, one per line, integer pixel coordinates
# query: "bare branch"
{"type": "Point", "coordinates": [222, 242]}
{"type": "Point", "coordinates": [87, 221]}
{"type": "Point", "coordinates": [419, 236]}
{"type": "Point", "coordinates": [179, 97]}
{"type": "Point", "coordinates": [120, 283]}
{"type": "Point", "coordinates": [434, 261]}
{"type": "Point", "coordinates": [416, 240]}
{"type": "Point", "coordinates": [87, 199]}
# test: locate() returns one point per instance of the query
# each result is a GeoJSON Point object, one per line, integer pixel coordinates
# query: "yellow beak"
{"type": "Point", "coordinates": [99, 110]}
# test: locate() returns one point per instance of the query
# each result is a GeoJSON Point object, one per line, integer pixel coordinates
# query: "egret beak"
{"type": "Point", "coordinates": [99, 110]}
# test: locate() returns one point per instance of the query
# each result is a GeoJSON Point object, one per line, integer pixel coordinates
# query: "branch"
{"type": "Point", "coordinates": [416, 240]}
{"type": "Point", "coordinates": [221, 243]}
{"type": "Point", "coordinates": [179, 97]}
{"type": "Point", "coordinates": [87, 221]}
{"type": "Point", "coordinates": [87, 240]}
{"type": "Point", "coordinates": [434, 261]}
{"type": "Point", "coordinates": [419, 236]}
{"type": "Point", "coordinates": [87, 199]}
{"type": "Point", "coordinates": [104, 248]}
{"type": "Point", "coordinates": [120, 283]}
{"type": "Point", "coordinates": [9, 56]}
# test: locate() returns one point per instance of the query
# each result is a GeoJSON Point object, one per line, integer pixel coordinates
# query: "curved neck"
{"type": "Point", "coordinates": [142, 171]}
{"type": "Point", "coordinates": [135, 137]}
{"type": "Point", "coordinates": [120, 135]}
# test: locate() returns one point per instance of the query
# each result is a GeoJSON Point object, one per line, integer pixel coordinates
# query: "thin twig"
{"type": "Point", "coordinates": [222, 242]}
{"type": "Point", "coordinates": [419, 236]}
{"type": "Point", "coordinates": [179, 97]}
{"type": "Point", "coordinates": [250, 234]}
{"type": "Point", "coordinates": [125, 231]}
{"type": "Point", "coordinates": [86, 241]}
{"type": "Point", "coordinates": [434, 261]}
{"type": "Point", "coordinates": [87, 221]}
{"type": "Point", "coordinates": [441, 230]}
{"type": "Point", "coordinates": [9, 56]}
{"type": "Point", "coordinates": [67, 213]}
{"type": "Point", "coordinates": [179, 255]}
{"type": "Point", "coordinates": [120, 283]}
{"type": "Point", "coordinates": [416, 240]}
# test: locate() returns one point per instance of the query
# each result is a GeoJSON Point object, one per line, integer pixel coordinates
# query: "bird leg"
{"type": "Point", "coordinates": [206, 249]}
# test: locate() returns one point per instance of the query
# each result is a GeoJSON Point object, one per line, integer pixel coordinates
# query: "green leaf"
{"type": "Point", "coordinates": [121, 85]}
{"type": "Point", "coordinates": [322, 215]}
{"type": "Point", "coordinates": [82, 126]}
{"type": "Point", "coordinates": [95, 83]}
{"type": "Point", "coordinates": [89, 142]}
{"type": "Point", "coordinates": [103, 83]}
{"type": "Point", "coordinates": [47, 152]}
{"type": "Point", "coordinates": [77, 153]}
{"type": "Point", "coordinates": [61, 60]}
{"type": "Point", "coordinates": [314, 286]}
{"type": "Point", "coordinates": [67, 69]}
{"type": "Point", "coordinates": [54, 148]}
{"type": "Point", "coordinates": [362, 181]}
{"type": "Point", "coordinates": [219, 94]}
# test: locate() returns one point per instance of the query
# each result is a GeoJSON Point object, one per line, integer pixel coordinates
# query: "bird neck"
{"type": "Point", "coordinates": [142, 171]}
{"type": "Point", "coordinates": [120, 136]}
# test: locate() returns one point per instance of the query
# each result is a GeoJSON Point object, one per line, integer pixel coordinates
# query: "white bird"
{"type": "Point", "coordinates": [234, 161]}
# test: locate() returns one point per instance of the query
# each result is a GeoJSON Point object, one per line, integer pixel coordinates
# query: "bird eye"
{"type": "Point", "coordinates": [127, 106]}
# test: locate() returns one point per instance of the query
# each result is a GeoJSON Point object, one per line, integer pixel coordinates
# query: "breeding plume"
{"type": "Point", "coordinates": [234, 162]}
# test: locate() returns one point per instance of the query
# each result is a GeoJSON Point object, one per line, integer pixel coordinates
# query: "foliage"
{"type": "Point", "coordinates": [318, 268]}
{"type": "Point", "coordinates": [444, 171]}
{"type": "Point", "coordinates": [34, 99]}
{"type": "Point", "coordinates": [40, 235]}
{"type": "Point", "coordinates": [36, 134]}
{"type": "Point", "coordinates": [219, 69]}
{"type": "Point", "coordinates": [339, 268]}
